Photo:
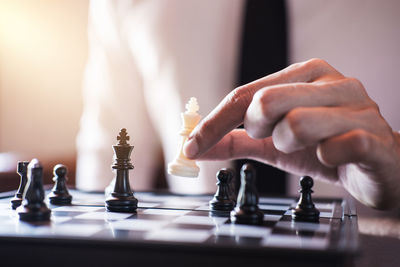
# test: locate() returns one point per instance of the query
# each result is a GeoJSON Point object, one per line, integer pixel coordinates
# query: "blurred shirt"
{"type": "Point", "coordinates": [147, 58]}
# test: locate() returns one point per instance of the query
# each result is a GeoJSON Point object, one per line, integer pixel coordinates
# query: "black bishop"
{"type": "Point", "coordinates": [22, 170]}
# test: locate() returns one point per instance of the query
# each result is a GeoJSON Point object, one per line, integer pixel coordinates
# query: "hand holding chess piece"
{"type": "Point", "coordinates": [302, 131]}
{"type": "Point", "coordinates": [122, 199]}
{"type": "Point", "coordinates": [182, 166]}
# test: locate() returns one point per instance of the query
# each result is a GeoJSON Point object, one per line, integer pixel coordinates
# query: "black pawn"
{"type": "Point", "coordinates": [305, 209]}
{"type": "Point", "coordinates": [122, 198]}
{"type": "Point", "coordinates": [22, 169]}
{"type": "Point", "coordinates": [246, 210]}
{"type": "Point", "coordinates": [34, 208]}
{"type": "Point", "coordinates": [59, 195]}
{"type": "Point", "coordinates": [222, 200]}
{"type": "Point", "coordinates": [232, 184]}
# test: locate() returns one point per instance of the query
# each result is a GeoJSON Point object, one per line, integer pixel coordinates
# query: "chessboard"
{"type": "Point", "coordinates": [178, 230]}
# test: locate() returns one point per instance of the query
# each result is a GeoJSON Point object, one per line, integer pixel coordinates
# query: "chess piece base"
{"type": "Point", "coordinates": [34, 215]}
{"type": "Point", "coordinates": [15, 202]}
{"type": "Point", "coordinates": [304, 215]}
{"type": "Point", "coordinates": [59, 199]}
{"type": "Point", "coordinates": [240, 216]}
{"type": "Point", "coordinates": [222, 205]}
{"type": "Point", "coordinates": [185, 168]}
{"type": "Point", "coordinates": [219, 213]}
{"type": "Point", "coordinates": [121, 204]}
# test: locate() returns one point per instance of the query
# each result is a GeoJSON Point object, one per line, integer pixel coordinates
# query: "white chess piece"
{"type": "Point", "coordinates": [182, 166]}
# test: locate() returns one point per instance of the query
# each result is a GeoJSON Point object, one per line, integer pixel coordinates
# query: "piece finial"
{"type": "Point", "coordinates": [34, 164]}
{"type": "Point", "coordinates": [123, 137]}
{"type": "Point", "coordinates": [192, 106]}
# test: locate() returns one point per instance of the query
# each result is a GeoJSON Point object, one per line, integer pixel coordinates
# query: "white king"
{"type": "Point", "coordinates": [182, 166]}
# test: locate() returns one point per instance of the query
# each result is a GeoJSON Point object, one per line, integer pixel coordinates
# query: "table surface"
{"type": "Point", "coordinates": [379, 241]}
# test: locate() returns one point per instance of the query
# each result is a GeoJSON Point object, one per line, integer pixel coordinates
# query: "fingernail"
{"type": "Point", "coordinates": [191, 148]}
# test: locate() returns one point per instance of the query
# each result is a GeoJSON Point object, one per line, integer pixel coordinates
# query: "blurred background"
{"type": "Point", "coordinates": [43, 51]}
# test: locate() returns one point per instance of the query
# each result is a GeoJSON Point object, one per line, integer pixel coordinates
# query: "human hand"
{"type": "Point", "coordinates": [307, 119]}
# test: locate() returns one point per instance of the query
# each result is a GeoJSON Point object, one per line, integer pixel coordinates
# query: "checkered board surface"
{"type": "Point", "coordinates": [188, 220]}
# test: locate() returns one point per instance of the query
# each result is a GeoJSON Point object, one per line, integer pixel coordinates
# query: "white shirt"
{"type": "Point", "coordinates": [147, 58]}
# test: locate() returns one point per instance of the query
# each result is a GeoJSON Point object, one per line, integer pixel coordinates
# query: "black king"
{"type": "Point", "coordinates": [122, 199]}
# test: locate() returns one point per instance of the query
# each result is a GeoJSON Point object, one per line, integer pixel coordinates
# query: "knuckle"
{"type": "Point", "coordinates": [374, 108]}
{"type": "Point", "coordinates": [267, 102]}
{"type": "Point", "coordinates": [372, 111]}
{"type": "Point", "coordinates": [317, 68]}
{"type": "Point", "coordinates": [316, 63]}
{"type": "Point", "coordinates": [361, 142]}
{"type": "Point", "coordinates": [356, 86]}
{"type": "Point", "coordinates": [295, 120]}
{"type": "Point", "coordinates": [355, 83]}
{"type": "Point", "coordinates": [240, 95]}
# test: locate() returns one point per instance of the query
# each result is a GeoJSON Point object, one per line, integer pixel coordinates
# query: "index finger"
{"type": "Point", "coordinates": [230, 112]}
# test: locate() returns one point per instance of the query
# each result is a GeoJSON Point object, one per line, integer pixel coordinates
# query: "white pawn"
{"type": "Point", "coordinates": [182, 166]}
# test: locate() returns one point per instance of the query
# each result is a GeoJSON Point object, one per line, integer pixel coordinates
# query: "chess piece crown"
{"type": "Point", "coordinates": [122, 151]}
{"type": "Point", "coordinates": [190, 118]}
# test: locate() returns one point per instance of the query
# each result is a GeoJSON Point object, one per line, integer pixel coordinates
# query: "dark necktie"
{"type": "Point", "coordinates": [263, 51]}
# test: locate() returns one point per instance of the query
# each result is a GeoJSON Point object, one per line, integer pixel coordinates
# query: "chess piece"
{"type": "Point", "coordinates": [222, 200]}
{"type": "Point", "coordinates": [34, 209]}
{"type": "Point", "coordinates": [122, 198]}
{"type": "Point", "coordinates": [59, 195]}
{"type": "Point", "coordinates": [22, 169]}
{"type": "Point", "coordinates": [305, 209]}
{"type": "Point", "coordinates": [232, 184]}
{"type": "Point", "coordinates": [182, 166]}
{"type": "Point", "coordinates": [246, 210]}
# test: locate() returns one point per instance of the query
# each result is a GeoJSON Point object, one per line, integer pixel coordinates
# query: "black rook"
{"type": "Point", "coordinates": [22, 170]}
